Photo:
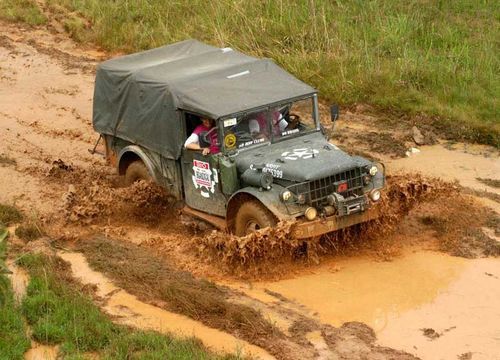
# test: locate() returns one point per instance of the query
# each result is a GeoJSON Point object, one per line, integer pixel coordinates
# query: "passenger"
{"type": "Point", "coordinates": [193, 141]}
{"type": "Point", "coordinates": [259, 124]}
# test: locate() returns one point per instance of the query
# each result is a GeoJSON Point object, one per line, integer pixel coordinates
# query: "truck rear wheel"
{"type": "Point", "coordinates": [136, 171]}
{"type": "Point", "coordinates": [252, 216]}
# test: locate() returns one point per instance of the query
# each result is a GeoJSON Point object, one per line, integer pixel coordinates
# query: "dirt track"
{"type": "Point", "coordinates": [46, 85]}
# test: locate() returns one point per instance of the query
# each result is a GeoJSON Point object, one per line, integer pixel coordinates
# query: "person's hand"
{"type": "Point", "coordinates": [206, 151]}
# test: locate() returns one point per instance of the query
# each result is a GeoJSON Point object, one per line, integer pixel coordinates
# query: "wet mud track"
{"type": "Point", "coordinates": [391, 276]}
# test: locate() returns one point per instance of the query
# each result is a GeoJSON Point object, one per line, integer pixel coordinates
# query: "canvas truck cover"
{"type": "Point", "coordinates": [137, 97]}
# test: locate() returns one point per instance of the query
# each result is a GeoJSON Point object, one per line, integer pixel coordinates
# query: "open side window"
{"type": "Point", "coordinates": [191, 122]}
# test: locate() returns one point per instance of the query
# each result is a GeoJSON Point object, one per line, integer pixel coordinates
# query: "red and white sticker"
{"type": "Point", "coordinates": [202, 173]}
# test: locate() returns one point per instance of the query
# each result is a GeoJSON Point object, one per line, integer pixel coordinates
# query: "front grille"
{"type": "Point", "coordinates": [316, 191]}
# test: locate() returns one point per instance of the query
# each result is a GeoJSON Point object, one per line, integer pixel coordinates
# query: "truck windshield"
{"type": "Point", "coordinates": [271, 124]}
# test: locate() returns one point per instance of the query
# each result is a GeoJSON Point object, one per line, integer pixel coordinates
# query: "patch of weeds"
{"type": "Point", "coordinates": [13, 340]}
{"type": "Point", "coordinates": [57, 313]}
{"type": "Point", "coordinates": [61, 313]}
{"type": "Point", "coordinates": [29, 231]}
{"type": "Point", "coordinates": [26, 11]}
{"type": "Point", "coordinates": [9, 215]}
{"type": "Point", "coordinates": [155, 346]}
{"type": "Point", "coordinates": [76, 28]}
{"type": "Point", "coordinates": [490, 182]}
{"type": "Point", "coordinates": [5, 160]}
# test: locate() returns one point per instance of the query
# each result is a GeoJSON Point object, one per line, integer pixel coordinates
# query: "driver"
{"type": "Point", "coordinates": [259, 124]}
{"type": "Point", "coordinates": [193, 141]}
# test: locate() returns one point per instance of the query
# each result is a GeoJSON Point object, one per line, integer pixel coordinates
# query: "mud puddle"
{"type": "Point", "coordinates": [19, 280]}
{"type": "Point", "coordinates": [398, 299]}
{"type": "Point", "coordinates": [462, 162]}
{"type": "Point", "coordinates": [131, 311]}
{"type": "Point", "coordinates": [463, 319]}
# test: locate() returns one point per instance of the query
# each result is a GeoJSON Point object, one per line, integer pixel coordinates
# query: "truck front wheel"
{"type": "Point", "coordinates": [252, 216]}
{"type": "Point", "coordinates": [136, 171]}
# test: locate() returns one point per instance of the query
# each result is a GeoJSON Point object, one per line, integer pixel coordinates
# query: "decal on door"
{"type": "Point", "coordinates": [204, 178]}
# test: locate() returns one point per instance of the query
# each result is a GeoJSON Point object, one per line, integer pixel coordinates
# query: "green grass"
{"type": "Point", "coordinates": [60, 312]}
{"type": "Point", "coordinates": [439, 58]}
{"type": "Point", "coordinates": [25, 11]}
{"type": "Point", "coordinates": [434, 60]}
{"type": "Point", "coordinates": [13, 339]}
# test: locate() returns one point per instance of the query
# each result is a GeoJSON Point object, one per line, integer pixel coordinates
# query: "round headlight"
{"type": "Point", "coordinates": [311, 213]}
{"type": "Point", "coordinates": [286, 195]}
{"type": "Point", "coordinates": [375, 195]}
{"type": "Point", "coordinates": [373, 170]}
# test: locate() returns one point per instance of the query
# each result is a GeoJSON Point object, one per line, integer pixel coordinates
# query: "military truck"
{"type": "Point", "coordinates": [273, 161]}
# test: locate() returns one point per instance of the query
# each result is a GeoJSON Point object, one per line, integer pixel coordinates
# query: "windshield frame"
{"type": "Point", "coordinates": [273, 139]}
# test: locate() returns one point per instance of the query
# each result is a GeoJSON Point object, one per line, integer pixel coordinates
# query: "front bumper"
{"type": "Point", "coordinates": [306, 229]}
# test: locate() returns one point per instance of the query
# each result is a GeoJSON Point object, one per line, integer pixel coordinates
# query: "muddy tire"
{"type": "Point", "coordinates": [251, 216]}
{"type": "Point", "coordinates": [136, 171]}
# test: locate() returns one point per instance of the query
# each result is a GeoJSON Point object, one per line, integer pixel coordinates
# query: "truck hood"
{"type": "Point", "coordinates": [304, 158]}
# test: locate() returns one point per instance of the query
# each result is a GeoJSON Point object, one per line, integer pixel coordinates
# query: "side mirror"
{"type": "Point", "coordinates": [334, 112]}
{"type": "Point", "coordinates": [204, 140]}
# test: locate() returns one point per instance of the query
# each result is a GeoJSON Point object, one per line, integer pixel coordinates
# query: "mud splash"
{"type": "Point", "coordinates": [130, 311]}
{"type": "Point", "coordinates": [258, 253]}
{"type": "Point", "coordinates": [101, 197]}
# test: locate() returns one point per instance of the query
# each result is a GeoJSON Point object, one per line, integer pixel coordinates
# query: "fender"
{"type": "Point", "coordinates": [137, 150]}
{"type": "Point", "coordinates": [269, 198]}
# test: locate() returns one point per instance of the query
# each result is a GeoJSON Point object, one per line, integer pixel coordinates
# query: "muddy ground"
{"type": "Point", "coordinates": [394, 289]}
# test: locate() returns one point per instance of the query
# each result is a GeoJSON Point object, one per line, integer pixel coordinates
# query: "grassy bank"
{"type": "Point", "coordinates": [61, 312]}
{"type": "Point", "coordinates": [26, 11]}
{"type": "Point", "coordinates": [13, 339]}
{"type": "Point", "coordinates": [432, 58]}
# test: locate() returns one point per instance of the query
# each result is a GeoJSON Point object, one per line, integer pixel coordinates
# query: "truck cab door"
{"type": "Point", "coordinates": [200, 176]}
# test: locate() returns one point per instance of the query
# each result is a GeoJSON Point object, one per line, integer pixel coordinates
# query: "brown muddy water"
{"type": "Point", "coordinates": [459, 299]}
{"type": "Point", "coordinates": [131, 311]}
{"type": "Point", "coordinates": [462, 162]}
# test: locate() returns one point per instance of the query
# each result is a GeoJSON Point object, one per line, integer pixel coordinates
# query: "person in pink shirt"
{"type": "Point", "coordinates": [193, 141]}
{"type": "Point", "coordinates": [259, 124]}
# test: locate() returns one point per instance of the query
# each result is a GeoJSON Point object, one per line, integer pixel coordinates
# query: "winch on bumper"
{"type": "Point", "coordinates": [307, 229]}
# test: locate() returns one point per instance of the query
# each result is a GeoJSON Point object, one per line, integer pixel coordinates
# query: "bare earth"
{"type": "Point", "coordinates": [398, 296]}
